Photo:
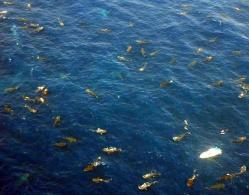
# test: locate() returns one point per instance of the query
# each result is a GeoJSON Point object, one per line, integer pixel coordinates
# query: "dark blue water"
{"type": "Point", "coordinates": [141, 118]}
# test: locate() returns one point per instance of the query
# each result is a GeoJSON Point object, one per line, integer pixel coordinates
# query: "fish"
{"type": "Point", "coordinates": [129, 49]}
{"type": "Point", "coordinates": [236, 53]}
{"type": "Point", "coordinates": [151, 175]}
{"type": "Point", "coordinates": [8, 109]}
{"type": "Point", "coordinates": [3, 12]}
{"type": "Point", "coordinates": [227, 176]}
{"type": "Point", "coordinates": [217, 186]}
{"type": "Point", "coordinates": [154, 53]}
{"type": "Point", "coordinates": [105, 30]}
{"type": "Point", "coordinates": [41, 58]}
{"type": "Point", "coordinates": [143, 52]}
{"type": "Point", "coordinates": [39, 29]}
{"type": "Point", "coordinates": [192, 64]}
{"type": "Point", "coordinates": [22, 20]}
{"type": "Point", "coordinates": [130, 24]}
{"type": "Point", "coordinates": [29, 6]}
{"type": "Point", "coordinates": [122, 58]}
{"type": "Point", "coordinates": [91, 92]}
{"type": "Point", "coordinates": [142, 69]}
{"type": "Point", "coordinates": [40, 100]}
{"type": "Point", "coordinates": [242, 94]}
{"type": "Point", "coordinates": [8, 3]}
{"type": "Point", "coordinates": [61, 23]}
{"type": "Point", "coordinates": [218, 83]}
{"type": "Point", "coordinates": [43, 90]}
{"type": "Point", "coordinates": [213, 40]}
{"type": "Point", "coordinates": [93, 165]}
{"type": "Point", "coordinates": [32, 110]}
{"type": "Point", "coordinates": [208, 59]}
{"type": "Point", "coordinates": [142, 42]}
{"type": "Point", "coordinates": [61, 145]}
{"type": "Point", "coordinates": [240, 140]}
{"type": "Point", "coordinates": [166, 83]}
{"type": "Point", "coordinates": [211, 153]}
{"type": "Point", "coordinates": [199, 50]}
{"type": "Point", "coordinates": [190, 181]}
{"type": "Point", "coordinates": [28, 99]}
{"type": "Point", "coordinates": [11, 89]}
{"type": "Point", "coordinates": [100, 180]}
{"type": "Point", "coordinates": [179, 137]}
{"type": "Point", "coordinates": [100, 131]}
{"type": "Point", "coordinates": [57, 121]}
{"type": "Point", "coordinates": [243, 169]}
{"type": "Point", "coordinates": [245, 86]}
{"type": "Point", "coordinates": [146, 185]}
{"type": "Point", "coordinates": [71, 139]}
{"type": "Point", "coordinates": [173, 61]}
{"type": "Point", "coordinates": [111, 150]}
{"type": "Point", "coordinates": [185, 122]}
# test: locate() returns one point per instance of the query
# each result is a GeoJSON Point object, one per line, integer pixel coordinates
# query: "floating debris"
{"type": "Point", "coordinates": [100, 180]}
{"type": "Point", "coordinates": [57, 121]}
{"type": "Point", "coordinates": [240, 140]}
{"type": "Point", "coordinates": [129, 49]}
{"type": "Point", "coordinates": [217, 186]}
{"type": "Point", "coordinates": [211, 153]}
{"type": "Point", "coordinates": [111, 150]}
{"type": "Point", "coordinates": [166, 84]}
{"type": "Point", "coordinates": [11, 89]}
{"type": "Point", "coordinates": [29, 6]}
{"type": "Point", "coordinates": [31, 110]}
{"type": "Point", "coordinates": [151, 175]}
{"type": "Point", "coordinates": [91, 92]}
{"type": "Point", "coordinates": [191, 181]}
{"type": "Point", "coordinates": [142, 69]}
{"type": "Point", "coordinates": [8, 109]}
{"type": "Point", "coordinates": [93, 165]}
{"type": "Point", "coordinates": [147, 185]}
{"type": "Point", "coordinates": [218, 83]}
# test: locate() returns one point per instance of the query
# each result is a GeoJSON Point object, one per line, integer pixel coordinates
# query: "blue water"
{"type": "Point", "coordinates": [141, 118]}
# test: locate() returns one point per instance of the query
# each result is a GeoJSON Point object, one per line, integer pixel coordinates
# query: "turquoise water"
{"type": "Point", "coordinates": [140, 116]}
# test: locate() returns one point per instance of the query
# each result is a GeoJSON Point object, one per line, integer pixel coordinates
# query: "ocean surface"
{"type": "Point", "coordinates": [141, 96]}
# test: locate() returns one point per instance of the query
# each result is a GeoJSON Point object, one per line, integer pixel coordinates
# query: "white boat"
{"type": "Point", "coordinates": [210, 153]}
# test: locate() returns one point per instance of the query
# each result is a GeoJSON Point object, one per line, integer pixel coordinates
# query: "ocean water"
{"type": "Point", "coordinates": [140, 116]}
